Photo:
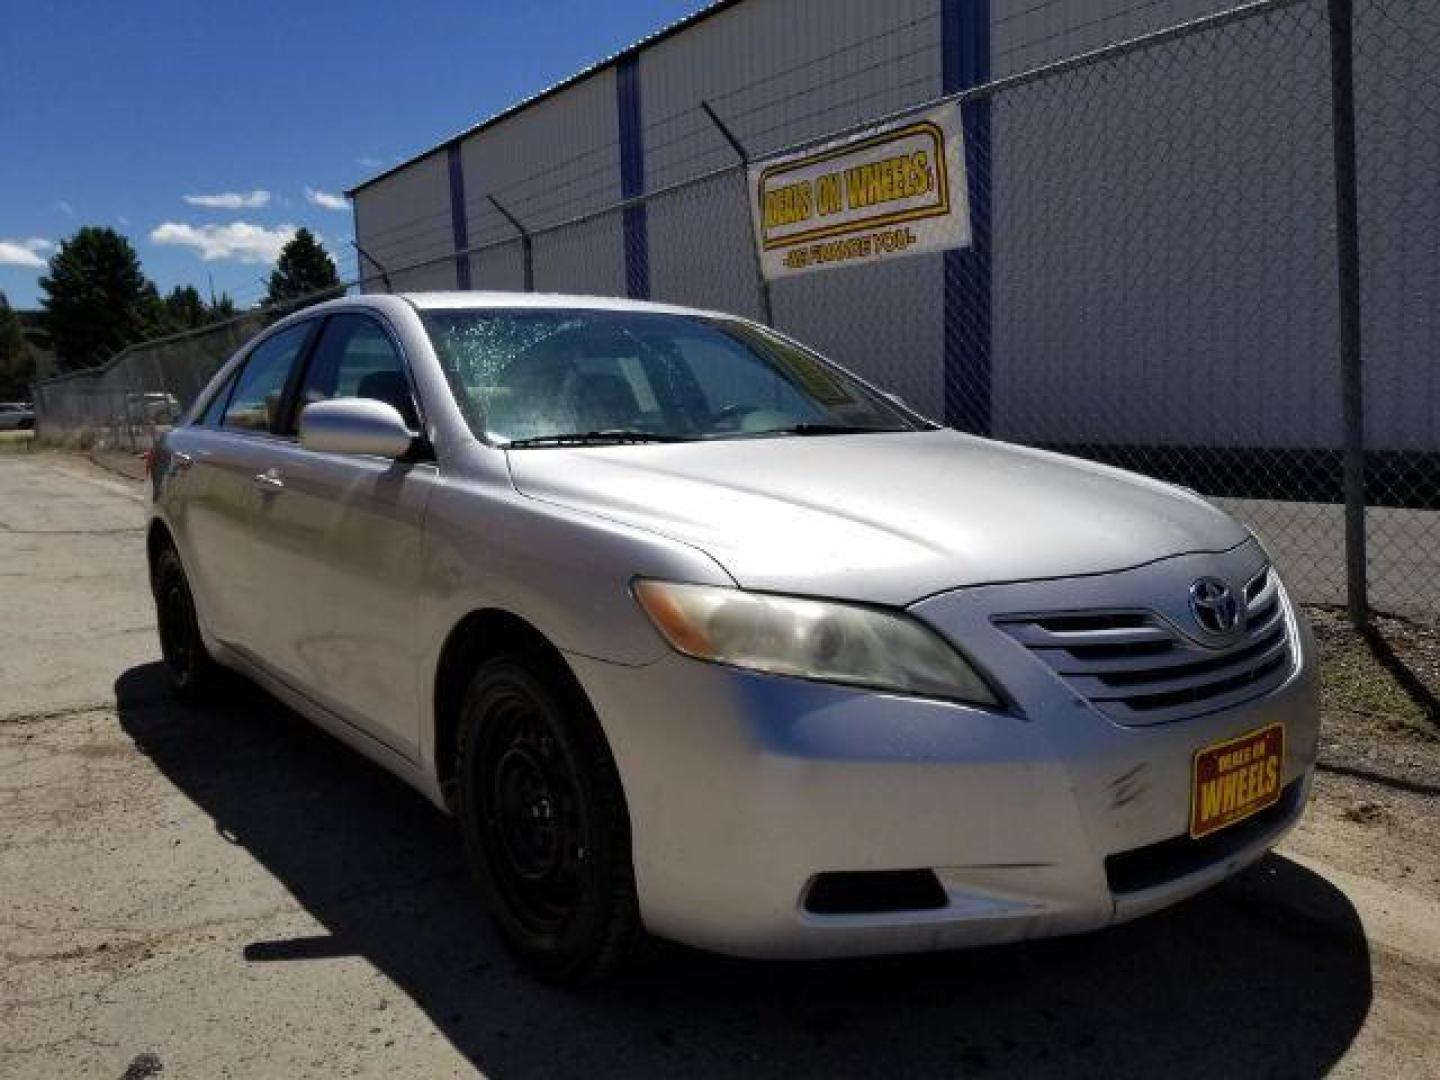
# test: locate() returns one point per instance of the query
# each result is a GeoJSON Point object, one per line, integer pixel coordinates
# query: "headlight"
{"type": "Point", "coordinates": [810, 639]}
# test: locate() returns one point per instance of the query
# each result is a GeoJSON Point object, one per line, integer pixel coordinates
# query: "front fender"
{"type": "Point", "coordinates": [565, 572]}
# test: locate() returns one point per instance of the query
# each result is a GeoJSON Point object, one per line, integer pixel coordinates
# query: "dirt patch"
{"type": "Point", "coordinates": [121, 462]}
{"type": "Point", "coordinates": [1377, 797]}
{"type": "Point", "coordinates": [1378, 695]}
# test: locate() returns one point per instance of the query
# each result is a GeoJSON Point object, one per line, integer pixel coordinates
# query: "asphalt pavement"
{"type": "Point", "coordinates": [229, 892]}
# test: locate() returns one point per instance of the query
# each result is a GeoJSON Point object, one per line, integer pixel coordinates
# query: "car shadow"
{"type": "Point", "coordinates": [1266, 975]}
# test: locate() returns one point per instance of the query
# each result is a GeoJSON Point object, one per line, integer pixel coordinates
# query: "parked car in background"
{"type": "Point", "coordinates": [152, 408]}
{"type": "Point", "coordinates": [697, 632]}
{"type": "Point", "coordinates": [16, 416]}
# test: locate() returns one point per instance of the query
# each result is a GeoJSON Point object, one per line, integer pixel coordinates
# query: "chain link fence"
{"type": "Point", "coordinates": [1164, 273]}
{"type": "Point", "coordinates": [139, 392]}
{"type": "Point", "coordinates": [1397, 113]}
{"type": "Point", "coordinates": [1158, 281]}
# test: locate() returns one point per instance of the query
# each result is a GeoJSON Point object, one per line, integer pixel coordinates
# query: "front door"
{"type": "Point", "coordinates": [357, 523]}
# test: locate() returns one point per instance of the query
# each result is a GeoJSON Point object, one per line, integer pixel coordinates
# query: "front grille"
{"type": "Point", "coordinates": [1139, 669]}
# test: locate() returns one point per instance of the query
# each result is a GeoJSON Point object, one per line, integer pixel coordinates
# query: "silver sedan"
{"type": "Point", "coordinates": [696, 632]}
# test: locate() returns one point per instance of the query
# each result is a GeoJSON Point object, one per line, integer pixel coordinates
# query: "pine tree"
{"type": "Point", "coordinates": [303, 269]}
{"type": "Point", "coordinates": [220, 310]}
{"type": "Point", "coordinates": [95, 298]}
{"type": "Point", "coordinates": [184, 310]}
{"type": "Point", "coordinates": [17, 365]}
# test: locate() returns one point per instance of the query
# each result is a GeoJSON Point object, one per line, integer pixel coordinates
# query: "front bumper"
{"type": "Point", "coordinates": [743, 787]}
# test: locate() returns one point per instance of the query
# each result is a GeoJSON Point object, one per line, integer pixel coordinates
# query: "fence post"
{"type": "Point", "coordinates": [965, 64]}
{"type": "Point", "coordinates": [527, 252]}
{"type": "Point", "coordinates": [1347, 259]}
{"type": "Point", "coordinates": [762, 283]}
{"type": "Point", "coordinates": [360, 276]}
{"type": "Point", "coordinates": [633, 218]}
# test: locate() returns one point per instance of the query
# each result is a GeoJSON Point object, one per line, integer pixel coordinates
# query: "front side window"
{"type": "Point", "coordinates": [216, 405]}
{"type": "Point", "coordinates": [538, 376]}
{"type": "Point", "coordinates": [255, 402]}
{"type": "Point", "coordinates": [356, 358]}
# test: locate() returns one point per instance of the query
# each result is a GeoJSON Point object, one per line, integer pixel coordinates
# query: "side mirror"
{"type": "Point", "coordinates": [355, 426]}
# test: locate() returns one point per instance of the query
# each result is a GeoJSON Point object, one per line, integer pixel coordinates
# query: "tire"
{"type": "Point", "coordinates": [193, 673]}
{"type": "Point", "coordinates": [543, 818]}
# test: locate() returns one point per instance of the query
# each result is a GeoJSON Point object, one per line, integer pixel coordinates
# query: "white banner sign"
{"type": "Point", "coordinates": [887, 192]}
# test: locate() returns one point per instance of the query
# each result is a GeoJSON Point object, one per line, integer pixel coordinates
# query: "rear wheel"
{"type": "Point", "coordinates": [192, 671]}
{"type": "Point", "coordinates": [544, 821]}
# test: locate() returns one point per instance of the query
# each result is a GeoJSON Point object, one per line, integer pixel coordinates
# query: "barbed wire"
{"type": "Point", "coordinates": [1069, 29]}
{"type": "Point", "coordinates": [793, 70]}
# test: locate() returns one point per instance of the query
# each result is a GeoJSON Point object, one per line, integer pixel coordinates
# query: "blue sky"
{"type": "Point", "coordinates": [113, 113]}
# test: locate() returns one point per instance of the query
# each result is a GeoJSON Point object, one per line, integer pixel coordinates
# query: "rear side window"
{"type": "Point", "coordinates": [255, 402]}
{"type": "Point", "coordinates": [356, 358]}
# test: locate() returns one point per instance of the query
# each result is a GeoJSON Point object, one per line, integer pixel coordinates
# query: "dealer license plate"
{"type": "Point", "coordinates": [1236, 778]}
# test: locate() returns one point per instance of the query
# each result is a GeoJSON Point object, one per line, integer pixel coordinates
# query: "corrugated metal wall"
{"type": "Point", "coordinates": [556, 160]}
{"type": "Point", "coordinates": [779, 72]}
{"type": "Point", "coordinates": [1164, 254]}
{"type": "Point", "coordinates": [405, 218]}
{"type": "Point", "coordinates": [1397, 106]}
{"type": "Point", "coordinates": [1025, 34]}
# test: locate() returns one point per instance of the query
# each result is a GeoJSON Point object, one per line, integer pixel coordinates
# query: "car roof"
{"type": "Point", "coordinates": [488, 301]}
{"type": "Point", "coordinates": [466, 301]}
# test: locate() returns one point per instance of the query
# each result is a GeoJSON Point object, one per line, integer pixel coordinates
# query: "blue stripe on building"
{"type": "Point", "coordinates": [965, 38]}
{"type": "Point", "coordinates": [632, 178]}
{"type": "Point", "coordinates": [458, 224]}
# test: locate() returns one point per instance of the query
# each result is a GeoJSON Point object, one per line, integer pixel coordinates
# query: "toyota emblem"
{"type": "Point", "coordinates": [1214, 605]}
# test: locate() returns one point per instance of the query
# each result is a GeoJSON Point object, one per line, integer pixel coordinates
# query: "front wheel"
{"type": "Point", "coordinates": [544, 822]}
{"type": "Point", "coordinates": [192, 671]}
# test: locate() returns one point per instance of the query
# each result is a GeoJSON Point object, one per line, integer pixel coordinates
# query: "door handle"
{"type": "Point", "coordinates": [269, 480]}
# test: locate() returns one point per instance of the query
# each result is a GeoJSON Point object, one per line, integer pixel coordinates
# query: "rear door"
{"type": "Point", "coordinates": [225, 462]}
{"type": "Point", "coordinates": [356, 527]}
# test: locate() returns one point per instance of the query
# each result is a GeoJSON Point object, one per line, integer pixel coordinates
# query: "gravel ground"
{"type": "Point", "coordinates": [231, 893]}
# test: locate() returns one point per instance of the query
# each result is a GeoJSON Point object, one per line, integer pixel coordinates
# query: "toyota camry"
{"type": "Point", "coordinates": [698, 634]}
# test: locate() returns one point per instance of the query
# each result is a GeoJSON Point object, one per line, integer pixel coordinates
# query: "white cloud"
{"type": "Point", "coordinates": [24, 252]}
{"type": "Point", "coordinates": [325, 200]}
{"type": "Point", "coordinates": [231, 200]}
{"type": "Point", "coordinates": [65, 208]}
{"type": "Point", "coordinates": [369, 162]}
{"type": "Point", "coordinates": [237, 240]}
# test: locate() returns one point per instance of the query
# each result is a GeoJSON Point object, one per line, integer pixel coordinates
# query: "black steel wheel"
{"type": "Point", "coordinates": [192, 671]}
{"type": "Point", "coordinates": [544, 822]}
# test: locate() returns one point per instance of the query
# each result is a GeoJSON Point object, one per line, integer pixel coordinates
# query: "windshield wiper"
{"type": "Point", "coordinates": [610, 437]}
{"type": "Point", "coordinates": [831, 429]}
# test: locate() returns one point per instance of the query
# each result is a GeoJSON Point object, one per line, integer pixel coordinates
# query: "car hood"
{"type": "Point", "coordinates": [885, 518]}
